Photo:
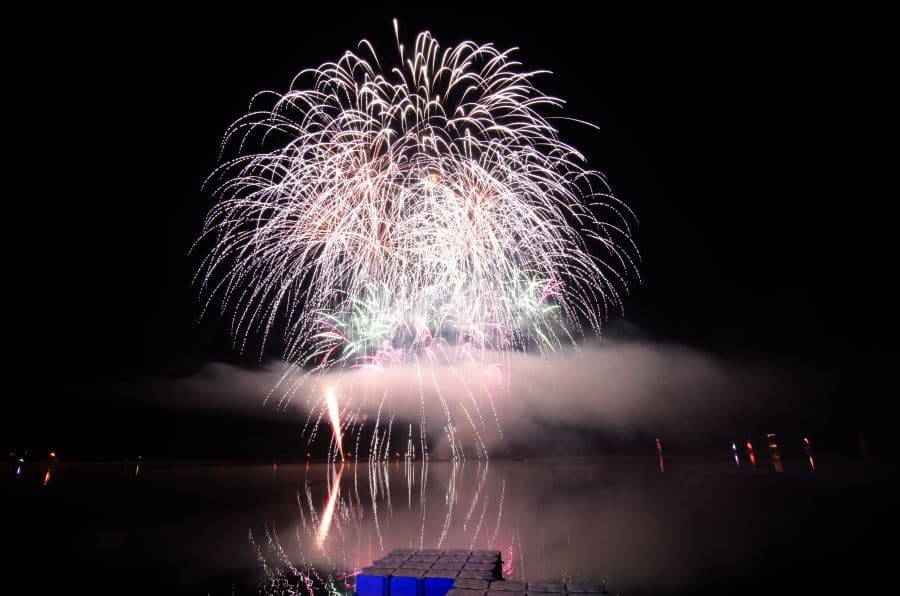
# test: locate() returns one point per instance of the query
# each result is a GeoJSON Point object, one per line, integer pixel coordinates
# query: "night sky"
{"type": "Point", "coordinates": [749, 144]}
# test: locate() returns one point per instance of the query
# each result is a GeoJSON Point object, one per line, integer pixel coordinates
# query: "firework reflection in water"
{"type": "Point", "coordinates": [334, 539]}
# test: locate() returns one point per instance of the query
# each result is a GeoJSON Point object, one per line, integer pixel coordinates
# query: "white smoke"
{"type": "Point", "coordinates": [613, 388]}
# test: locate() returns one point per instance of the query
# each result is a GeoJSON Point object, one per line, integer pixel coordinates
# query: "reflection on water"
{"type": "Point", "coordinates": [659, 455]}
{"type": "Point", "coordinates": [334, 483]}
{"type": "Point", "coordinates": [559, 521]}
{"type": "Point", "coordinates": [309, 528]}
{"type": "Point", "coordinates": [562, 522]}
{"type": "Point", "coordinates": [750, 455]}
{"type": "Point", "coordinates": [774, 453]}
{"type": "Point", "coordinates": [807, 449]}
{"type": "Point", "coordinates": [361, 519]}
{"type": "Point", "coordinates": [442, 505]}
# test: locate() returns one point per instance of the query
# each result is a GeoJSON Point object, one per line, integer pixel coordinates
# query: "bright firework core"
{"type": "Point", "coordinates": [419, 214]}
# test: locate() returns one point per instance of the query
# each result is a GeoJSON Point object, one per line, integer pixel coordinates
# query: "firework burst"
{"type": "Point", "coordinates": [426, 212]}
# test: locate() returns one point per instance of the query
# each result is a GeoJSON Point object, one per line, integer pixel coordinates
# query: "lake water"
{"type": "Point", "coordinates": [702, 525]}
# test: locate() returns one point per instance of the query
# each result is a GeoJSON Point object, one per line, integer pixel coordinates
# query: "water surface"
{"type": "Point", "coordinates": [703, 525]}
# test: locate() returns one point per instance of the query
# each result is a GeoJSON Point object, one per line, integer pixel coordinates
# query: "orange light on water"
{"type": "Point", "coordinates": [328, 514]}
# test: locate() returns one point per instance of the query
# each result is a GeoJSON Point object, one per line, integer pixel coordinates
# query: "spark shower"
{"type": "Point", "coordinates": [418, 210]}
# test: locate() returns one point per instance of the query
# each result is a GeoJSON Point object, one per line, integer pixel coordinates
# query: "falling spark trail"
{"type": "Point", "coordinates": [335, 418]}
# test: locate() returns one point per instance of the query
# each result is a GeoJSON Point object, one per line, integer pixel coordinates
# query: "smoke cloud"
{"type": "Point", "coordinates": [608, 390]}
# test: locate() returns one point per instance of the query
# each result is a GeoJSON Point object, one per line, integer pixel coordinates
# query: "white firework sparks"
{"type": "Point", "coordinates": [423, 213]}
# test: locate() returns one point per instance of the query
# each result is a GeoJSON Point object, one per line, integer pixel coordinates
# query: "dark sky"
{"type": "Point", "coordinates": [749, 143]}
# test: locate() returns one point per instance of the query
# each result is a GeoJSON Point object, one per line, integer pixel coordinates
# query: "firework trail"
{"type": "Point", "coordinates": [424, 213]}
{"type": "Point", "coordinates": [335, 419]}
